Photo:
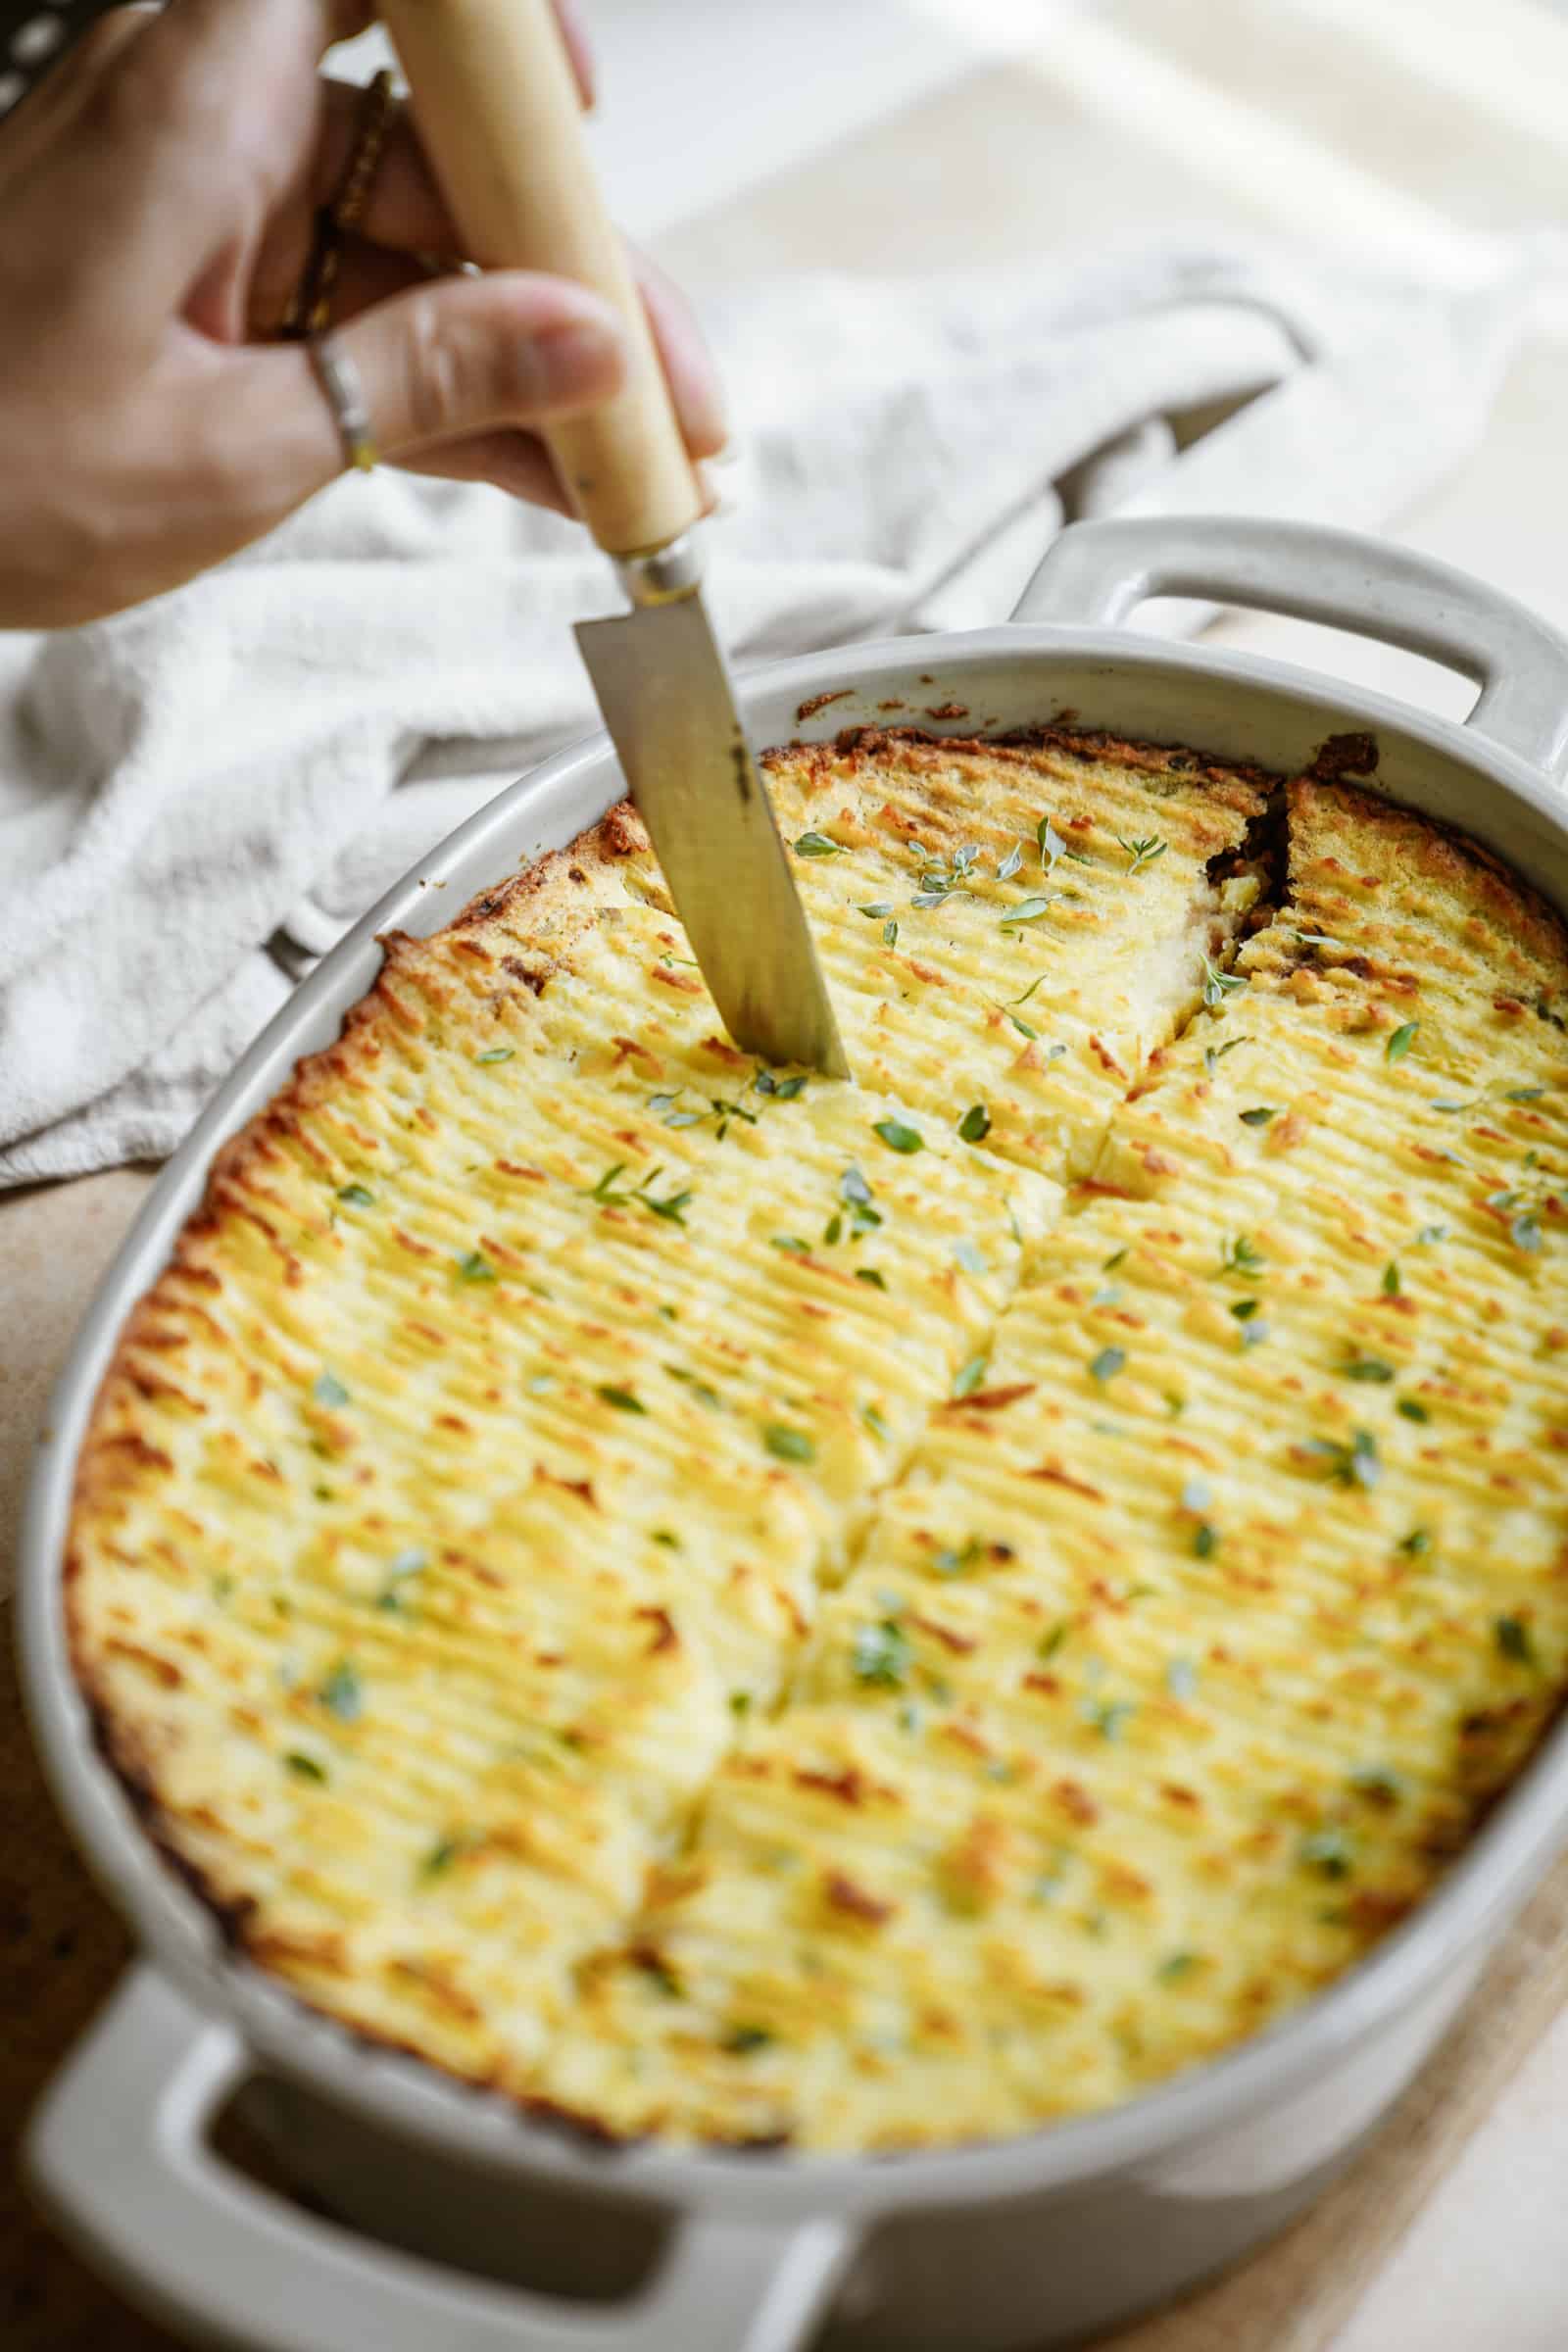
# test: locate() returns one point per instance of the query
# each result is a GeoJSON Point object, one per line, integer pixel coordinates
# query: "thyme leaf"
{"type": "Point", "coordinates": [1143, 853]}
{"type": "Point", "coordinates": [880, 1655]}
{"type": "Point", "coordinates": [788, 1444]}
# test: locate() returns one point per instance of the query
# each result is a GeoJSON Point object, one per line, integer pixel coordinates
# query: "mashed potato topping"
{"type": "Point", "coordinates": [740, 1606]}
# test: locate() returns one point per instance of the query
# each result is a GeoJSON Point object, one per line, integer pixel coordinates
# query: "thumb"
{"type": "Point", "coordinates": [443, 362]}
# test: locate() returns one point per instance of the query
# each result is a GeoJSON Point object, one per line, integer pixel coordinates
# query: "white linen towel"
{"type": "Point", "coordinates": [268, 749]}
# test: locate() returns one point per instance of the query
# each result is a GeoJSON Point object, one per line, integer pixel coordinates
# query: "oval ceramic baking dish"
{"type": "Point", "coordinates": [446, 2196]}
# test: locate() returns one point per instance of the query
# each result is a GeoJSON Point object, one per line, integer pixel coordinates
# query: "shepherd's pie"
{"type": "Point", "coordinates": [729, 1604]}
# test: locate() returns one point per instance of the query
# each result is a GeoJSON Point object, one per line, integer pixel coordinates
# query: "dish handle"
{"type": "Point", "coordinates": [117, 2153]}
{"type": "Point", "coordinates": [1095, 573]}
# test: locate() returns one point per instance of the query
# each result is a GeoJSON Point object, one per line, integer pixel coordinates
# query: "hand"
{"type": "Point", "coordinates": [157, 195]}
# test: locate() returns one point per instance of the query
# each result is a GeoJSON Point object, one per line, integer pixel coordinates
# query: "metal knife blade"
{"type": "Point", "coordinates": [496, 108]}
{"type": "Point", "coordinates": [667, 698]}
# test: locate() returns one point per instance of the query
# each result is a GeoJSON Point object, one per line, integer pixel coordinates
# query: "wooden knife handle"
{"type": "Point", "coordinates": [494, 103]}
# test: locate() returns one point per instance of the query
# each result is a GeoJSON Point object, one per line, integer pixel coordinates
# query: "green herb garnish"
{"type": "Point", "coordinates": [1390, 1279]}
{"type": "Point", "coordinates": [956, 1560]}
{"type": "Point", "coordinates": [493, 1053]}
{"type": "Point", "coordinates": [938, 881]}
{"type": "Point", "coordinates": [303, 1767]}
{"type": "Point", "coordinates": [975, 1124]}
{"type": "Point", "coordinates": [1143, 853]}
{"type": "Point", "coordinates": [672, 1208]}
{"type": "Point", "coordinates": [357, 1196]}
{"type": "Point", "coordinates": [621, 1398]}
{"type": "Point", "coordinates": [1328, 1851]}
{"type": "Point", "coordinates": [856, 1194]}
{"type": "Point", "coordinates": [1179, 1965]}
{"type": "Point", "coordinates": [1412, 1409]}
{"type": "Point", "coordinates": [816, 845]}
{"type": "Point", "coordinates": [1259, 1116]}
{"type": "Point", "coordinates": [789, 1445]}
{"type": "Point", "coordinates": [1218, 985]}
{"type": "Point", "coordinates": [1515, 1641]}
{"type": "Point", "coordinates": [897, 1137]}
{"type": "Point", "coordinates": [443, 1854]}
{"type": "Point", "coordinates": [342, 1693]}
{"type": "Point", "coordinates": [1107, 1364]}
{"type": "Point", "coordinates": [741, 2041]}
{"type": "Point", "coordinates": [970, 1376]}
{"type": "Point", "coordinates": [1205, 1539]}
{"type": "Point", "coordinates": [1354, 1465]}
{"type": "Point", "coordinates": [473, 1266]}
{"type": "Point", "coordinates": [1371, 1368]}
{"type": "Point", "coordinates": [880, 1655]}
{"type": "Point", "coordinates": [411, 1562]}
{"type": "Point", "coordinates": [871, 1278]}
{"type": "Point", "coordinates": [1399, 1043]}
{"type": "Point", "coordinates": [330, 1392]}
{"type": "Point", "coordinates": [1243, 1258]}
{"type": "Point", "coordinates": [1214, 1054]}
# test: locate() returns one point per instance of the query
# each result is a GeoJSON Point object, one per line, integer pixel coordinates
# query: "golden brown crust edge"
{"type": "Point", "coordinates": [1423, 849]}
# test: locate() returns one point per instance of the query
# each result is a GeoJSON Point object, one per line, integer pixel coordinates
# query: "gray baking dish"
{"type": "Point", "coordinates": [451, 2206]}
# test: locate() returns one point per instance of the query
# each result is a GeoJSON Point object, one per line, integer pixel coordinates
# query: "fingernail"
{"type": "Point", "coordinates": [717, 498]}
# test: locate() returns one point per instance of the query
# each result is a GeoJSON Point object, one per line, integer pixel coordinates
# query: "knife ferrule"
{"type": "Point", "coordinates": [663, 575]}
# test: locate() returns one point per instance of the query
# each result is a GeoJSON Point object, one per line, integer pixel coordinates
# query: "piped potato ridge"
{"type": "Point", "coordinates": [869, 1616]}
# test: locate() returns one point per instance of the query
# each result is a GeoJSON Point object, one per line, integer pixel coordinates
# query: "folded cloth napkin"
{"type": "Point", "coordinates": [188, 788]}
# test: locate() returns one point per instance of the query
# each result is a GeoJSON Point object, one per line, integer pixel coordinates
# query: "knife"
{"type": "Point", "coordinates": [493, 97]}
